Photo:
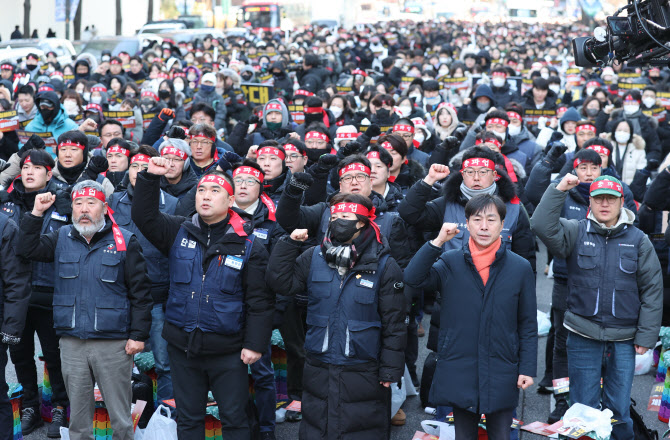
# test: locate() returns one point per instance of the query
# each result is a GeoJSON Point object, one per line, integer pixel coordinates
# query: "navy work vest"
{"type": "Point", "coordinates": [157, 263]}
{"type": "Point", "coordinates": [90, 295]}
{"type": "Point", "coordinates": [455, 213]}
{"type": "Point", "coordinates": [42, 273]}
{"type": "Point", "coordinates": [343, 322]}
{"type": "Point", "coordinates": [212, 301]}
{"type": "Point", "coordinates": [602, 276]}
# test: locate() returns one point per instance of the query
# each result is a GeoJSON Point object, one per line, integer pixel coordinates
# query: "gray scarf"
{"type": "Point", "coordinates": [470, 193]}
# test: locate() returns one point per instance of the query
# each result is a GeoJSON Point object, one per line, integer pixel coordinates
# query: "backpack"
{"type": "Point", "coordinates": [639, 428]}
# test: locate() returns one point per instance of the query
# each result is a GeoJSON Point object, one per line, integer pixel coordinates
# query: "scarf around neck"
{"type": "Point", "coordinates": [470, 193]}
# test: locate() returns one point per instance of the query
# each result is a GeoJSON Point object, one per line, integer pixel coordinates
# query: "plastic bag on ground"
{"type": "Point", "coordinates": [543, 323]}
{"type": "Point", "coordinates": [398, 396]}
{"type": "Point", "coordinates": [441, 430]}
{"type": "Point", "coordinates": [591, 419]}
{"type": "Point", "coordinates": [161, 427]}
{"type": "Point", "coordinates": [64, 433]}
{"type": "Point", "coordinates": [643, 362]}
{"type": "Point", "coordinates": [410, 390]}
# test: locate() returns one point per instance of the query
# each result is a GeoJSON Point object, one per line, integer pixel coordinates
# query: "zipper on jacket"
{"type": "Point", "coordinates": [202, 287]}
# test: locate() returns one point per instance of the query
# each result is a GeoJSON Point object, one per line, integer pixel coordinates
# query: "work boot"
{"type": "Point", "coordinates": [30, 420]}
{"type": "Point", "coordinates": [546, 385]}
{"type": "Point", "coordinates": [58, 419]}
{"type": "Point", "coordinates": [558, 412]}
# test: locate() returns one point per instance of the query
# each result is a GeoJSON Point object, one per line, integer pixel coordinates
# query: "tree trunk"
{"type": "Point", "coordinates": [77, 21]}
{"type": "Point", "coordinates": [26, 19]}
{"type": "Point", "coordinates": [118, 17]}
{"type": "Point", "coordinates": [150, 11]}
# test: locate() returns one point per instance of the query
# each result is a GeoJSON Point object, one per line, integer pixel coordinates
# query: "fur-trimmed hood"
{"type": "Point", "coordinates": [638, 141]}
{"type": "Point", "coordinates": [451, 190]}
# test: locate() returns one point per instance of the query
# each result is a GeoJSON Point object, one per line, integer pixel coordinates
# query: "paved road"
{"type": "Point", "coordinates": [532, 406]}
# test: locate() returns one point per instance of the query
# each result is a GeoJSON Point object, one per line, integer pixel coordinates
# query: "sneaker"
{"type": "Point", "coordinates": [58, 420]}
{"type": "Point", "coordinates": [546, 385]}
{"type": "Point", "coordinates": [269, 435]}
{"type": "Point", "coordinates": [558, 412]}
{"type": "Point", "coordinates": [399, 418]}
{"type": "Point", "coordinates": [293, 416]}
{"type": "Point", "coordinates": [30, 420]}
{"type": "Point", "coordinates": [420, 332]}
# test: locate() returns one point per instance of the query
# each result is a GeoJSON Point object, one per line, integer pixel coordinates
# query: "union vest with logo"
{"type": "Point", "coordinates": [455, 213]}
{"type": "Point", "coordinates": [343, 322]}
{"type": "Point", "coordinates": [602, 276]}
{"type": "Point", "coordinates": [211, 300]}
{"type": "Point", "coordinates": [90, 295]}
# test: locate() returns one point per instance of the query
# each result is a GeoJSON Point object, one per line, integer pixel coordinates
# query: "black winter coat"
{"type": "Point", "coordinates": [162, 229]}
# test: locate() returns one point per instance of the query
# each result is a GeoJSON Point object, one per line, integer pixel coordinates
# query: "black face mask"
{"type": "Point", "coordinates": [246, 76]}
{"type": "Point", "coordinates": [313, 154]}
{"type": "Point", "coordinates": [49, 114]}
{"type": "Point", "coordinates": [313, 117]}
{"type": "Point", "coordinates": [95, 118]}
{"type": "Point", "coordinates": [342, 230]}
{"type": "Point", "coordinates": [278, 74]}
{"type": "Point", "coordinates": [31, 66]}
{"type": "Point", "coordinates": [383, 113]}
{"type": "Point", "coordinates": [163, 94]}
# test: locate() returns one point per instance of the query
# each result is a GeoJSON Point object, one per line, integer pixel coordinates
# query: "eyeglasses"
{"type": "Point", "coordinates": [202, 143]}
{"type": "Point", "coordinates": [246, 182]}
{"type": "Point", "coordinates": [116, 134]}
{"type": "Point", "coordinates": [360, 178]}
{"type": "Point", "coordinates": [406, 136]}
{"type": "Point", "coordinates": [47, 105]}
{"type": "Point", "coordinates": [600, 199]}
{"type": "Point", "coordinates": [480, 173]}
{"type": "Point", "coordinates": [199, 120]}
{"type": "Point", "coordinates": [292, 157]}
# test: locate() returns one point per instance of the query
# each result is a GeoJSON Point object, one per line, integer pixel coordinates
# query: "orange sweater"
{"type": "Point", "coordinates": [484, 259]}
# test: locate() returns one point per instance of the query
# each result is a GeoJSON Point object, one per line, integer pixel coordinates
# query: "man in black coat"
{"type": "Point", "coordinates": [218, 316]}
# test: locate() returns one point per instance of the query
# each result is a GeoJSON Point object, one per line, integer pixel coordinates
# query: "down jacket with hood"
{"type": "Point", "coordinates": [468, 114]}
{"type": "Point", "coordinates": [442, 132]}
{"type": "Point", "coordinates": [60, 124]}
{"type": "Point", "coordinates": [643, 125]}
{"type": "Point", "coordinates": [218, 104]}
{"type": "Point", "coordinates": [234, 98]}
{"type": "Point", "coordinates": [634, 156]}
{"type": "Point", "coordinates": [568, 139]}
{"type": "Point", "coordinates": [241, 141]}
{"type": "Point", "coordinates": [283, 84]}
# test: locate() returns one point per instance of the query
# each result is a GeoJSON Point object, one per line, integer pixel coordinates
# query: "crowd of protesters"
{"type": "Point", "coordinates": [153, 202]}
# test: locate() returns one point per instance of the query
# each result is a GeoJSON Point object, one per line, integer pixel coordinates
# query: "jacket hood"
{"type": "Point", "coordinates": [451, 190]}
{"type": "Point", "coordinates": [549, 101]}
{"type": "Point", "coordinates": [571, 114]}
{"type": "Point", "coordinates": [230, 73]}
{"type": "Point", "coordinates": [484, 90]}
{"type": "Point", "coordinates": [626, 218]}
{"type": "Point", "coordinates": [284, 112]}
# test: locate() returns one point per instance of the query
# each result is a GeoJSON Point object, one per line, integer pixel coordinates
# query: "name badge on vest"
{"type": "Point", "coordinates": [234, 262]}
{"type": "Point", "coordinates": [261, 233]}
{"type": "Point", "coordinates": [366, 283]}
{"type": "Point", "coordinates": [57, 216]}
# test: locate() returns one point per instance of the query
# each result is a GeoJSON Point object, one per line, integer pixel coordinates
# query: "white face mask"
{"type": "Point", "coordinates": [87, 96]}
{"type": "Point", "coordinates": [501, 135]}
{"type": "Point", "coordinates": [498, 81]}
{"type": "Point", "coordinates": [555, 88]}
{"type": "Point", "coordinates": [416, 96]}
{"type": "Point", "coordinates": [405, 111]}
{"type": "Point", "coordinates": [649, 102]}
{"type": "Point", "coordinates": [179, 87]}
{"type": "Point", "coordinates": [544, 75]}
{"type": "Point", "coordinates": [631, 108]}
{"type": "Point", "coordinates": [514, 129]}
{"type": "Point", "coordinates": [589, 90]}
{"type": "Point", "coordinates": [71, 108]}
{"type": "Point", "coordinates": [96, 99]}
{"type": "Point", "coordinates": [336, 111]}
{"type": "Point", "coordinates": [622, 137]}
{"type": "Point", "coordinates": [419, 137]}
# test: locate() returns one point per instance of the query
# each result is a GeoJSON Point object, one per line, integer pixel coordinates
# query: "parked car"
{"type": "Point", "coordinates": [15, 56]}
{"type": "Point", "coordinates": [188, 35]}
{"type": "Point", "coordinates": [64, 50]}
{"type": "Point", "coordinates": [133, 45]}
{"type": "Point", "coordinates": [161, 27]}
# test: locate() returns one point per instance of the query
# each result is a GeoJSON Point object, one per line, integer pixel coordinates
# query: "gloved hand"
{"type": "Point", "coordinates": [96, 165]}
{"type": "Point", "coordinates": [35, 142]}
{"type": "Point", "coordinates": [556, 151]}
{"type": "Point", "coordinates": [166, 114]}
{"type": "Point", "coordinates": [63, 203]}
{"type": "Point", "coordinates": [4, 165]}
{"type": "Point", "coordinates": [176, 132]}
{"type": "Point", "coordinates": [451, 143]}
{"type": "Point", "coordinates": [229, 158]}
{"type": "Point", "coordinates": [373, 131]}
{"type": "Point", "coordinates": [253, 119]}
{"type": "Point", "coordinates": [326, 163]}
{"type": "Point", "coordinates": [299, 183]}
{"type": "Point", "coordinates": [350, 148]}
{"type": "Point", "coordinates": [555, 136]}
{"type": "Point", "coordinates": [4, 197]}
{"type": "Point", "coordinates": [461, 132]}
{"type": "Point", "coordinates": [652, 165]}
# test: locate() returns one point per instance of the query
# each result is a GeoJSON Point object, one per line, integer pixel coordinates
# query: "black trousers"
{"type": "Point", "coordinates": [293, 332]}
{"type": "Point", "coordinates": [6, 416]}
{"type": "Point", "coordinates": [39, 321]}
{"type": "Point", "coordinates": [498, 424]}
{"type": "Point", "coordinates": [560, 345]}
{"type": "Point", "coordinates": [226, 376]}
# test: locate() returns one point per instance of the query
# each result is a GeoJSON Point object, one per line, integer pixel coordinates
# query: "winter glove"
{"type": "Point", "coordinates": [4, 165]}
{"type": "Point", "coordinates": [652, 165]}
{"type": "Point", "coordinates": [451, 143]}
{"type": "Point", "coordinates": [373, 131]}
{"type": "Point", "coordinates": [299, 184]}
{"type": "Point", "coordinates": [63, 204]}
{"type": "Point", "coordinates": [96, 165]}
{"type": "Point", "coordinates": [556, 151]}
{"type": "Point", "coordinates": [176, 132]}
{"type": "Point", "coordinates": [351, 148]}
{"type": "Point", "coordinates": [229, 158]}
{"type": "Point", "coordinates": [326, 163]}
{"type": "Point", "coordinates": [4, 197]}
{"type": "Point", "coordinates": [555, 136]}
{"type": "Point", "coordinates": [253, 119]}
{"type": "Point", "coordinates": [461, 132]}
{"type": "Point", "coordinates": [35, 142]}
{"type": "Point", "coordinates": [166, 114]}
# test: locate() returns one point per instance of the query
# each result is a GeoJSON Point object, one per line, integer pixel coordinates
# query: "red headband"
{"type": "Point", "coordinates": [312, 109]}
{"type": "Point", "coordinates": [387, 145]}
{"type": "Point", "coordinates": [562, 109]}
{"type": "Point", "coordinates": [291, 147]}
{"type": "Point", "coordinates": [577, 162]}
{"type": "Point", "coordinates": [140, 158]}
{"type": "Point", "coordinates": [347, 135]}
{"type": "Point", "coordinates": [606, 184]}
{"type": "Point", "coordinates": [513, 115]}
{"type": "Point", "coordinates": [316, 135]}
{"type": "Point", "coordinates": [593, 83]}
{"type": "Point", "coordinates": [600, 149]}
{"type": "Point", "coordinates": [359, 72]}
{"type": "Point", "coordinates": [30, 161]}
{"type": "Point", "coordinates": [585, 127]}
{"type": "Point", "coordinates": [630, 98]}
{"type": "Point", "coordinates": [98, 89]}
{"type": "Point", "coordinates": [150, 94]}
{"type": "Point", "coordinates": [71, 144]}
{"type": "Point", "coordinates": [213, 139]}
{"type": "Point", "coordinates": [493, 141]}
{"type": "Point", "coordinates": [500, 121]}
{"type": "Point", "coordinates": [478, 162]}
{"type": "Point", "coordinates": [355, 208]}
{"type": "Point", "coordinates": [303, 93]}
{"type": "Point", "coordinates": [271, 150]}
{"type": "Point", "coordinates": [355, 167]}
{"type": "Point", "coordinates": [115, 62]}
{"type": "Point", "coordinates": [249, 170]}
{"type": "Point", "coordinates": [97, 107]}
{"type": "Point", "coordinates": [273, 106]}
{"type": "Point", "coordinates": [45, 88]}
{"type": "Point", "coordinates": [403, 127]}
{"type": "Point", "coordinates": [116, 231]}
{"type": "Point", "coordinates": [174, 150]}
{"type": "Point", "coordinates": [6, 67]}
{"type": "Point", "coordinates": [499, 74]}
{"type": "Point", "coordinates": [217, 180]}
{"type": "Point", "coordinates": [118, 149]}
